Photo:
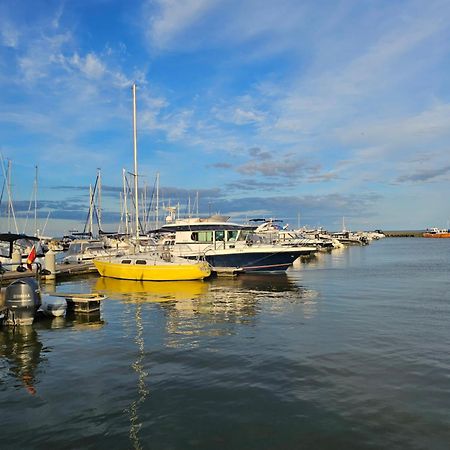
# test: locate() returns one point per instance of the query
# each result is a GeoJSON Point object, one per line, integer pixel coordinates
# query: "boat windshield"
{"type": "Point", "coordinates": [74, 249]}
{"type": "Point", "coordinates": [244, 235]}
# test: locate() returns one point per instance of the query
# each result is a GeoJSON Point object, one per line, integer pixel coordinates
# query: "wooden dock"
{"type": "Point", "coordinates": [81, 302]}
{"type": "Point", "coordinates": [62, 271]}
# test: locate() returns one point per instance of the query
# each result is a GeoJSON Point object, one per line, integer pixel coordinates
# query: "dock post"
{"type": "Point", "coordinates": [16, 259]}
{"type": "Point", "coordinates": [50, 265]}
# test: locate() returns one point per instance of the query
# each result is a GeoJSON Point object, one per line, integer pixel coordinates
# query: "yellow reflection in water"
{"type": "Point", "coordinates": [151, 291]}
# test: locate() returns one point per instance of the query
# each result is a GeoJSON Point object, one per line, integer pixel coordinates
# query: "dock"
{"type": "Point", "coordinates": [226, 271]}
{"type": "Point", "coordinates": [81, 302]}
{"type": "Point", "coordinates": [62, 271]}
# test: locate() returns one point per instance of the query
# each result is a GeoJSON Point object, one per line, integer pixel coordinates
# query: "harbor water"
{"type": "Point", "coordinates": [349, 350]}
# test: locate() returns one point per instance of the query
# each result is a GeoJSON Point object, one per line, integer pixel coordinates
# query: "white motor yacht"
{"type": "Point", "coordinates": [228, 245]}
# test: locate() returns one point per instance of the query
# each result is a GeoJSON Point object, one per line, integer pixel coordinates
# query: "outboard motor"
{"type": "Point", "coordinates": [22, 299]}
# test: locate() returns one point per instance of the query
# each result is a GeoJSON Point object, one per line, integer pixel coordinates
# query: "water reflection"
{"type": "Point", "coordinates": [150, 291]}
{"type": "Point", "coordinates": [339, 258]}
{"type": "Point", "coordinates": [138, 367]}
{"type": "Point", "coordinates": [84, 321]}
{"type": "Point", "coordinates": [273, 292]}
{"type": "Point", "coordinates": [257, 282]}
{"type": "Point", "coordinates": [21, 348]}
{"type": "Point", "coordinates": [219, 300]}
{"type": "Point", "coordinates": [77, 320]}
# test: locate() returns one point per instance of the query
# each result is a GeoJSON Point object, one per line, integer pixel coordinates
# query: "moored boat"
{"type": "Point", "coordinates": [152, 267]}
{"type": "Point", "coordinates": [52, 306]}
{"type": "Point", "coordinates": [436, 233]}
{"type": "Point", "coordinates": [227, 245]}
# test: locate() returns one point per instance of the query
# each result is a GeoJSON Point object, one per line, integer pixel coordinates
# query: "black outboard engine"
{"type": "Point", "coordinates": [22, 299]}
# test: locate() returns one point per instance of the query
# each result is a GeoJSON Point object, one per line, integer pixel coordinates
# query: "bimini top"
{"type": "Point", "coordinates": [13, 237]}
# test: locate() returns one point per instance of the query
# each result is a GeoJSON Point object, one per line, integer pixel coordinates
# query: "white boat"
{"type": "Point", "coordinates": [228, 245]}
{"type": "Point", "coordinates": [273, 233]}
{"type": "Point", "coordinates": [52, 306]}
{"type": "Point", "coordinates": [82, 250]}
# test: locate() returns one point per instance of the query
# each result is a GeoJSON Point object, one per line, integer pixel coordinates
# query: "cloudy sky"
{"type": "Point", "coordinates": [303, 110]}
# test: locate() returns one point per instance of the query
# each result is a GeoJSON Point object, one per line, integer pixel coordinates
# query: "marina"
{"type": "Point", "coordinates": [346, 350]}
{"type": "Point", "coordinates": [224, 225]}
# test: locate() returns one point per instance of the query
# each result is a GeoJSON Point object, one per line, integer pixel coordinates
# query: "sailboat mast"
{"type": "Point", "coordinates": [125, 195]}
{"type": "Point", "coordinates": [91, 225]}
{"type": "Point", "coordinates": [136, 199]}
{"type": "Point", "coordinates": [35, 201]}
{"type": "Point", "coordinates": [9, 195]}
{"type": "Point", "coordinates": [157, 200]}
{"type": "Point", "coordinates": [197, 205]}
{"type": "Point", "coordinates": [99, 199]}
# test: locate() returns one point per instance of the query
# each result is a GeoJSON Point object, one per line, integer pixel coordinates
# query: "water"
{"type": "Point", "coordinates": [350, 350]}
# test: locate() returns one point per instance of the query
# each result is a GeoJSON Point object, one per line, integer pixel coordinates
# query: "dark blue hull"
{"type": "Point", "coordinates": [260, 262]}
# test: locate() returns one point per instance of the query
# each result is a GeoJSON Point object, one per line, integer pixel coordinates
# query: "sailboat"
{"type": "Point", "coordinates": [149, 266]}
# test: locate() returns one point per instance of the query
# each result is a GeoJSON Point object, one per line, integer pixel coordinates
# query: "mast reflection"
{"type": "Point", "coordinates": [138, 367]}
{"type": "Point", "coordinates": [21, 347]}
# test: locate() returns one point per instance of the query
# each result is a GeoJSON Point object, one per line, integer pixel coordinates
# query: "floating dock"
{"type": "Point", "coordinates": [81, 303]}
{"type": "Point", "coordinates": [62, 271]}
{"type": "Point", "coordinates": [226, 271]}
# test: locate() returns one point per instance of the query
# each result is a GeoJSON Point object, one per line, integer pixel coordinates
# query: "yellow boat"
{"type": "Point", "coordinates": [152, 267]}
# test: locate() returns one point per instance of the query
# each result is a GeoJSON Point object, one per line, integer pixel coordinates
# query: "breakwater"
{"type": "Point", "coordinates": [404, 233]}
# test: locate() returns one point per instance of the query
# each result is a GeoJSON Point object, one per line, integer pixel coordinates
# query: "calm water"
{"type": "Point", "coordinates": [348, 351]}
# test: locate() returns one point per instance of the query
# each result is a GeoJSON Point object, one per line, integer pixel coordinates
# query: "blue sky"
{"type": "Point", "coordinates": [266, 109]}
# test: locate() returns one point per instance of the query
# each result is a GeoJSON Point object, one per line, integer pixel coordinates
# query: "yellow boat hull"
{"type": "Point", "coordinates": [166, 272]}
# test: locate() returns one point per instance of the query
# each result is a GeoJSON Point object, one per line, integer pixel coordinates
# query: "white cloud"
{"type": "Point", "coordinates": [9, 34]}
{"type": "Point", "coordinates": [403, 133]}
{"type": "Point", "coordinates": [238, 115]}
{"type": "Point", "coordinates": [91, 66]}
{"type": "Point", "coordinates": [172, 18]}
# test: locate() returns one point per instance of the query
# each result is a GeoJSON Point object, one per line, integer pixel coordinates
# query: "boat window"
{"type": "Point", "coordinates": [232, 235]}
{"type": "Point", "coordinates": [243, 235]}
{"type": "Point", "coordinates": [220, 235]}
{"type": "Point", "coordinates": [126, 261]}
{"type": "Point", "coordinates": [74, 249]}
{"type": "Point", "coordinates": [202, 236]}
{"type": "Point", "coordinates": [141, 261]}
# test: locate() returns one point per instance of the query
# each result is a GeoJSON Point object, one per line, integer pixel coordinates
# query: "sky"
{"type": "Point", "coordinates": [307, 111]}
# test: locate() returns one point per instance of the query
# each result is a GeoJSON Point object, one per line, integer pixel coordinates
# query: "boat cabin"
{"type": "Point", "coordinates": [206, 235]}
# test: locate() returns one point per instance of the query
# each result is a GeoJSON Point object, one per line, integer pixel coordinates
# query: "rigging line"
{"type": "Point", "coordinates": [134, 204]}
{"type": "Point", "coordinates": [9, 193]}
{"type": "Point", "coordinates": [45, 225]}
{"type": "Point", "coordinates": [151, 201]}
{"type": "Point", "coordinates": [91, 202]}
{"type": "Point", "coordinates": [3, 190]}
{"type": "Point", "coordinates": [28, 212]}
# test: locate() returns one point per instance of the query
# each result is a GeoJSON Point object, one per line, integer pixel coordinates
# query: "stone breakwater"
{"type": "Point", "coordinates": [404, 233]}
